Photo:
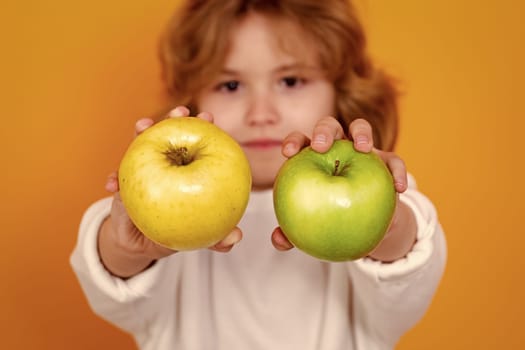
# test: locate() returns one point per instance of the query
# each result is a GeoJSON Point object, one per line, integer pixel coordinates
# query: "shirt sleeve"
{"type": "Point", "coordinates": [128, 304]}
{"type": "Point", "coordinates": [390, 298]}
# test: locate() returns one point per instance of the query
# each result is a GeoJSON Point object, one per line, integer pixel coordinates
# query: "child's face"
{"type": "Point", "coordinates": [265, 92]}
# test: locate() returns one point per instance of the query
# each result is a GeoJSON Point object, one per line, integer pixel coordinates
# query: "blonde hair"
{"type": "Point", "coordinates": [195, 42]}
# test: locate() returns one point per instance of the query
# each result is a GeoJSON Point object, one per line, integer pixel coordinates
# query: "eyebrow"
{"type": "Point", "coordinates": [227, 71]}
{"type": "Point", "coordinates": [295, 66]}
{"type": "Point", "coordinates": [280, 69]}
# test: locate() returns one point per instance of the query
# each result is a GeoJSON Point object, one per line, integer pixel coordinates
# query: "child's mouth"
{"type": "Point", "coordinates": [262, 144]}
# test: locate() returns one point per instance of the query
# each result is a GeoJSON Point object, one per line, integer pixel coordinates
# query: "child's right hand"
{"type": "Point", "coordinates": [124, 250]}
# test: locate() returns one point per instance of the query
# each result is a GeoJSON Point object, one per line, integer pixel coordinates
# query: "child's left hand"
{"type": "Point", "coordinates": [325, 132]}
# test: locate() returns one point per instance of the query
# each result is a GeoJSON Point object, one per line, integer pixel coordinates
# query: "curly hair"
{"type": "Point", "coordinates": [195, 42]}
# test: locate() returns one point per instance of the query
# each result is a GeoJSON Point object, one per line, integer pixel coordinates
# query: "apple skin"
{"type": "Point", "coordinates": [334, 217]}
{"type": "Point", "coordinates": [187, 206]}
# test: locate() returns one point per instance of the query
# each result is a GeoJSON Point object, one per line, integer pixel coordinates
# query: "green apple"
{"type": "Point", "coordinates": [335, 206]}
{"type": "Point", "coordinates": [185, 183]}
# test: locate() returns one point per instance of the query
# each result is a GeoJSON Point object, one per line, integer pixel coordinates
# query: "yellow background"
{"type": "Point", "coordinates": [76, 75]}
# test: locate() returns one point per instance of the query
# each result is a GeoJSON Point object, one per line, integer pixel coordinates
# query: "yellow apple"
{"type": "Point", "coordinates": [185, 183]}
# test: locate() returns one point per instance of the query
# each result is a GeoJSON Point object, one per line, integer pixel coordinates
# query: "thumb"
{"type": "Point", "coordinates": [227, 243]}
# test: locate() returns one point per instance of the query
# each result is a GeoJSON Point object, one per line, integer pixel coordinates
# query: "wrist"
{"type": "Point", "coordinates": [118, 259]}
{"type": "Point", "coordinates": [400, 237]}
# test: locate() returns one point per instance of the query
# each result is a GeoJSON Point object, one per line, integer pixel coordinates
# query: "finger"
{"type": "Point", "coordinates": [279, 240]}
{"type": "Point", "coordinates": [398, 169]}
{"type": "Point", "coordinates": [117, 197]}
{"type": "Point", "coordinates": [179, 111]}
{"type": "Point", "coordinates": [325, 132]}
{"type": "Point", "coordinates": [206, 116]}
{"type": "Point", "coordinates": [142, 124]}
{"type": "Point", "coordinates": [229, 241]}
{"type": "Point", "coordinates": [361, 133]}
{"type": "Point", "coordinates": [293, 143]}
{"type": "Point", "coordinates": [112, 183]}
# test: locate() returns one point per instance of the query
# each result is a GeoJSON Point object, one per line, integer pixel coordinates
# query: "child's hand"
{"type": "Point", "coordinates": [325, 132]}
{"type": "Point", "coordinates": [119, 231]}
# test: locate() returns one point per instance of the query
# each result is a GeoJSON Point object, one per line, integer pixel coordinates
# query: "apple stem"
{"type": "Point", "coordinates": [178, 156]}
{"type": "Point", "coordinates": [336, 169]}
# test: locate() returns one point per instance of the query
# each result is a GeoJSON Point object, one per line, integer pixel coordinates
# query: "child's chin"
{"type": "Point", "coordinates": [263, 179]}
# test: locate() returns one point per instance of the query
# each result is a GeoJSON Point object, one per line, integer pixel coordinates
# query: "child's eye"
{"type": "Point", "coordinates": [292, 81]}
{"type": "Point", "coordinates": [229, 86]}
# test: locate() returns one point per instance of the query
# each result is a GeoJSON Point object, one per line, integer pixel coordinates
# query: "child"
{"type": "Point", "coordinates": [276, 75]}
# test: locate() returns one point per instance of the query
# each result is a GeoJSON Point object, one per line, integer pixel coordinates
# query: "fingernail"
{"type": "Point", "coordinates": [140, 124]}
{"type": "Point", "coordinates": [206, 116]}
{"type": "Point", "coordinates": [400, 187]}
{"type": "Point", "coordinates": [320, 139]}
{"type": "Point", "coordinates": [283, 244]}
{"type": "Point", "coordinates": [288, 245]}
{"type": "Point", "coordinates": [177, 112]}
{"type": "Point", "coordinates": [229, 240]}
{"type": "Point", "coordinates": [361, 140]}
{"type": "Point", "coordinates": [289, 148]}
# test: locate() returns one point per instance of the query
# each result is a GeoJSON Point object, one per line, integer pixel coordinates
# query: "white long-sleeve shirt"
{"type": "Point", "coordinates": [256, 297]}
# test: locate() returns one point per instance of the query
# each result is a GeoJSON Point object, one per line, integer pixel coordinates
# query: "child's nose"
{"type": "Point", "coordinates": [262, 110]}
